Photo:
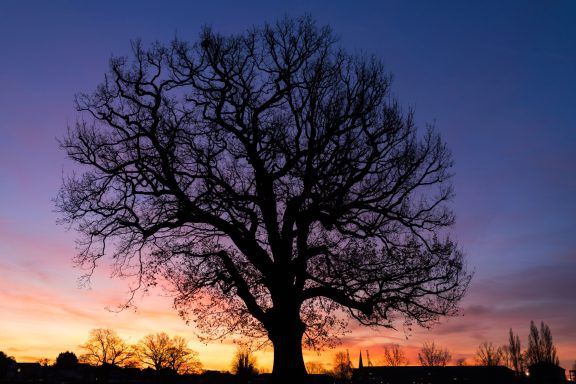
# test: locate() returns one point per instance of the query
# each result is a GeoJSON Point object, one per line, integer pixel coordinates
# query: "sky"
{"type": "Point", "coordinates": [496, 78]}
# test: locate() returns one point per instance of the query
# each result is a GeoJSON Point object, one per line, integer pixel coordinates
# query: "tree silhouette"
{"type": "Point", "coordinates": [431, 355]}
{"type": "Point", "coordinates": [44, 361]}
{"type": "Point", "coordinates": [182, 359]}
{"type": "Point", "coordinates": [270, 178]}
{"type": "Point", "coordinates": [394, 356]}
{"type": "Point", "coordinates": [244, 364]}
{"type": "Point", "coordinates": [152, 350]}
{"type": "Point", "coordinates": [515, 353]}
{"type": "Point", "coordinates": [489, 355]}
{"type": "Point", "coordinates": [540, 349]}
{"type": "Point", "coordinates": [315, 368]}
{"type": "Point", "coordinates": [105, 347]}
{"type": "Point", "coordinates": [6, 363]}
{"type": "Point", "coordinates": [160, 351]}
{"type": "Point", "coordinates": [66, 359]}
{"type": "Point", "coordinates": [342, 367]}
{"type": "Point", "coordinates": [461, 362]}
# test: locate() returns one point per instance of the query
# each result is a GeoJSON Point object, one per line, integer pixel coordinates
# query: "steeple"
{"type": "Point", "coordinates": [360, 365]}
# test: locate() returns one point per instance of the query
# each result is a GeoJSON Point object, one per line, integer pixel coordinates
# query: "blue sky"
{"type": "Point", "coordinates": [496, 78]}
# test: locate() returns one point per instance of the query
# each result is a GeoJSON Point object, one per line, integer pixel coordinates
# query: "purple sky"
{"type": "Point", "coordinates": [497, 78]}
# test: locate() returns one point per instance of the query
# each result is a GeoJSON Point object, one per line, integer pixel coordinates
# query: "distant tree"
{"type": "Point", "coordinates": [547, 346]}
{"type": "Point", "coordinates": [394, 356]}
{"type": "Point", "coordinates": [274, 183]}
{"type": "Point", "coordinates": [515, 357]}
{"type": "Point", "coordinates": [152, 350]}
{"type": "Point", "coordinates": [244, 364]}
{"type": "Point", "coordinates": [181, 358]}
{"type": "Point", "coordinates": [342, 367]}
{"type": "Point", "coordinates": [66, 359]}
{"type": "Point", "coordinates": [489, 355]}
{"type": "Point", "coordinates": [432, 356]}
{"type": "Point", "coordinates": [44, 361]}
{"type": "Point", "coordinates": [461, 362]}
{"type": "Point", "coordinates": [315, 368]}
{"type": "Point", "coordinates": [160, 351]}
{"type": "Point", "coordinates": [105, 347]}
{"type": "Point", "coordinates": [540, 346]}
{"type": "Point", "coordinates": [6, 363]}
{"type": "Point", "coordinates": [534, 353]}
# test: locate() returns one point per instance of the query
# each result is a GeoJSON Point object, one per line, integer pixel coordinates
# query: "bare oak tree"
{"type": "Point", "coordinates": [431, 355]}
{"type": "Point", "coordinates": [272, 180]}
{"type": "Point", "coordinates": [182, 359]}
{"type": "Point", "coordinates": [105, 347]}
{"type": "Point", "coordinates": [152, 350]}
{"type": "Point", "coordinates": [161, 351]}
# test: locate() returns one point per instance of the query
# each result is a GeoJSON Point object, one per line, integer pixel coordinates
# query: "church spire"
{"type": "Point", "coordinates": [360, 365]}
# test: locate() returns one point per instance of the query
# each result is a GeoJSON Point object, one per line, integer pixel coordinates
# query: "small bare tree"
{"type": "Point", "coordinates": [160, 351]}
{"type": "Point", "coordinates": [244, 364]}
{"type": "Point", "coordinates": [342, 367]}
{"type": "Point", "coordinates": [394, 356]}
{"type": "Point", "coordinates": [461, 362]}
{"type": "Point", "coordinates": [540, 346]}
{"type": "Point", "coordinates": [515, 357]}
{"type": "Point", "coordinates": [489, 355]}
{"type": "Point", "coordinates": [105, 347]}
{"type": "Point", "coordinates": [315, 367]}
{"type": "Point", "coordinates": [431, 355]}
{"type": "Point", "coordinates": [181, 358]}
{"type": "Point", "coordinates": [44, 361]}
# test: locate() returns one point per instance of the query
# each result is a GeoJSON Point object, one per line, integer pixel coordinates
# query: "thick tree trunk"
{"type": "Point", "coordinates": [286, 336]}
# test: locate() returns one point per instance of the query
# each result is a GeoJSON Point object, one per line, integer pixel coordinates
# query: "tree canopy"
{"type": "Point", "coordinates": [105, 347]}
{"type": "Point", "coordinates": [6, 362]}
{"type": "Point", "coordinates": [394, 356]}
{"type": "Point", "coordinates": [431, 355]}
{"type": "Point", "coordinates": [66, 359]}
{"type": "Point", "coordinates": [244, 364]}
{"type": "Point", "coordinates": [540, 349]}
{"type": "Point", "coordinates": [487, 354]}
{"type": "Point", "coordinates": [160, 351]}
{"type": "Point", "coordinates": [270, 178]}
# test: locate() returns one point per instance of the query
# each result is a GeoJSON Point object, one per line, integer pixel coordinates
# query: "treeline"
{"type": "Point", "coordinates": [158, 351]}
{"type": "Point", "coordinates": [540, 349]}
{"type": "Point", "coordinates": [161, 352]}
{"type": "Point", "coordinates": [105, 354]}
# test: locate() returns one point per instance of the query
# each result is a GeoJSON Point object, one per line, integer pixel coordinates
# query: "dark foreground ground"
{"type": "Point", "coordinates": [34, 373]}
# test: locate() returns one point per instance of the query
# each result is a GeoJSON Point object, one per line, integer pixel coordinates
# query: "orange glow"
{"type": "Point", "coordinates": [41, 320]}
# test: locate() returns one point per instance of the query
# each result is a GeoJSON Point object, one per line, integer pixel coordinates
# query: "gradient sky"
{"type": "Point", "coordinates": [497, 78]}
